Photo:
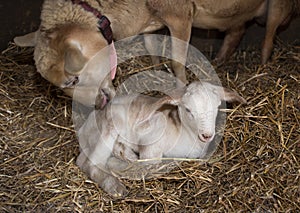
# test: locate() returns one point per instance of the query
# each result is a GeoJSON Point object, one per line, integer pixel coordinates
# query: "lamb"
{"type": "Point", "coordinates": [68, 36]}
{"type": "Point", "coordinates": [134, 126]}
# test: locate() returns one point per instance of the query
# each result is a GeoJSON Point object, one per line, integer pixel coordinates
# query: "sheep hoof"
{"type": "Point", "coordinates": [217, 62]}
{"type": "Point", "coordinates": [114, 187]}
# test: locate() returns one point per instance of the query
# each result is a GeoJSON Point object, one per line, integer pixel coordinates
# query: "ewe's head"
{"type": "Point", "coordinates": [64, 56]}
{"type": "Point", "coordinates": [198, 107]}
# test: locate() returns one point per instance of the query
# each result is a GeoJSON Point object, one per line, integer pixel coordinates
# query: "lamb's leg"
{"type": "Point", "coordinates": [124, 152]}
{"type": "Point", "coordinates": [152, 153]}
{"type": "Point", "coordinates": [278, 14]}
{"type": "Point", "coordinates": [116, 165]}
{"type": "Point", "coordinates": [109, 183]}
{"type": "Point", "coordinates": [95, 154]}
{"type": "Point", "coordinates": [106, 181]}
{"type": "Point", "coordinates": [230, 43]}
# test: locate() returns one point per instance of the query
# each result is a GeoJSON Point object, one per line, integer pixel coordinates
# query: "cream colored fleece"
{"type": "Point", "coordinates": [60, 12]}
{"type": "Point", "coordinates": [55, 13]}
{"type": "Point", "coordinates": [129, 17]}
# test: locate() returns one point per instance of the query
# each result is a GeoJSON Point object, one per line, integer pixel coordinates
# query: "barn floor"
{"type": "Point", "coordinates": [256, 167]}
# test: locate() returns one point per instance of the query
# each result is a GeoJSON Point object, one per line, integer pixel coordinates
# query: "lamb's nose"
{"type": "Point", "coordinates": [206, 137]}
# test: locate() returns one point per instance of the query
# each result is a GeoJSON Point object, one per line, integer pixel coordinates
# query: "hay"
{"type": "Point", "coordinates": [255, 169]}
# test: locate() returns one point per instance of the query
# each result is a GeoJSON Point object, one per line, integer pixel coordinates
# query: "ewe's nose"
{"type": "Point", "coordinates": [70, 82]}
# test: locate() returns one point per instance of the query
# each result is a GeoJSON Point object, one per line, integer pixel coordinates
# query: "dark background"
{"type": "Point", "coordinates": [18, 17]}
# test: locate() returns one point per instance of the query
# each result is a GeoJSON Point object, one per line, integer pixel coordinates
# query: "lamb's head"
{"type": "Point", "coordinates": [62, 56]}
{"type": "Point", "coordinates": [198, 107]}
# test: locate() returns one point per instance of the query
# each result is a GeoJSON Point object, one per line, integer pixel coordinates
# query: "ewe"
{"type": "Point", "coordinates": [69, 34]}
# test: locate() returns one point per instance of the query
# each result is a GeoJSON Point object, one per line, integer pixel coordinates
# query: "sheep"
{"type": "Point", "coordinates": [224, 15]}
{"type": "Point", "coordinates": [68, 39]}
{"type": "Point", "coordinates": [181, 125]}
{"type": "Point", "coordinates": [230, 16]}
{"type": "Point", "coordinates": [68, 36]}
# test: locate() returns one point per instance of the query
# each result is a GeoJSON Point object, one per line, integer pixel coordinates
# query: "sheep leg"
{"type": "Point", "coordinates": [230, 43]}
{"type": "Point", "coordinates": [179, 21]}
{"type": "Point", "coordinates": [152, 47]}
{"type": "Point", "coordinates": [278, 14]}
{"type": "Point", "coordinates": [180, 30]}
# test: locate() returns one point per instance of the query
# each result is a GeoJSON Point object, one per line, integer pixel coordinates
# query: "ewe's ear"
{"type": "Point", "coordinates": [229, 95]}
{"type": "Point", "coordinates": [74, 59]}
{"type": "Point", "coordinates": [28, 40]}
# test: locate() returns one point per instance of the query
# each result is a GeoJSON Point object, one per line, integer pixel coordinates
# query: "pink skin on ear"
{"type": "Point", "coordinates": [104, 102]}
{"type": "Point", "coordinates": [104, 99]}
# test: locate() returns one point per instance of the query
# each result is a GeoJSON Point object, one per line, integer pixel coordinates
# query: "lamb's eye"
{"type": "Point", "coordinates": [189, 113]}
{"type": "Point", "coordinates": [188, 110]}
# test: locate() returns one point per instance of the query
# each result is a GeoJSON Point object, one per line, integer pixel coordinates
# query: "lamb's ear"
{"type": "Point", "coordinates": [74, 59]}
{"type": "Point", "coordinates": [176, 94]}
{"type": "Point", "coordinates": [229, 95]}
{"type": "Point", "coordinates": [28, 40]}
{"type": "Point", "coordinates": [150, 109]}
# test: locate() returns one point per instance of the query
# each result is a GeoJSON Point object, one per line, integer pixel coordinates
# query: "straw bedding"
{"type": "Point", "coordinates": [255, 168]}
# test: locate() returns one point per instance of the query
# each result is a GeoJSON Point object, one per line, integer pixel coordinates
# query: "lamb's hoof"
{"type": "Point", "coordinates": [114, 188]}
{"type": "Point", "coordinates": [116, 165]}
